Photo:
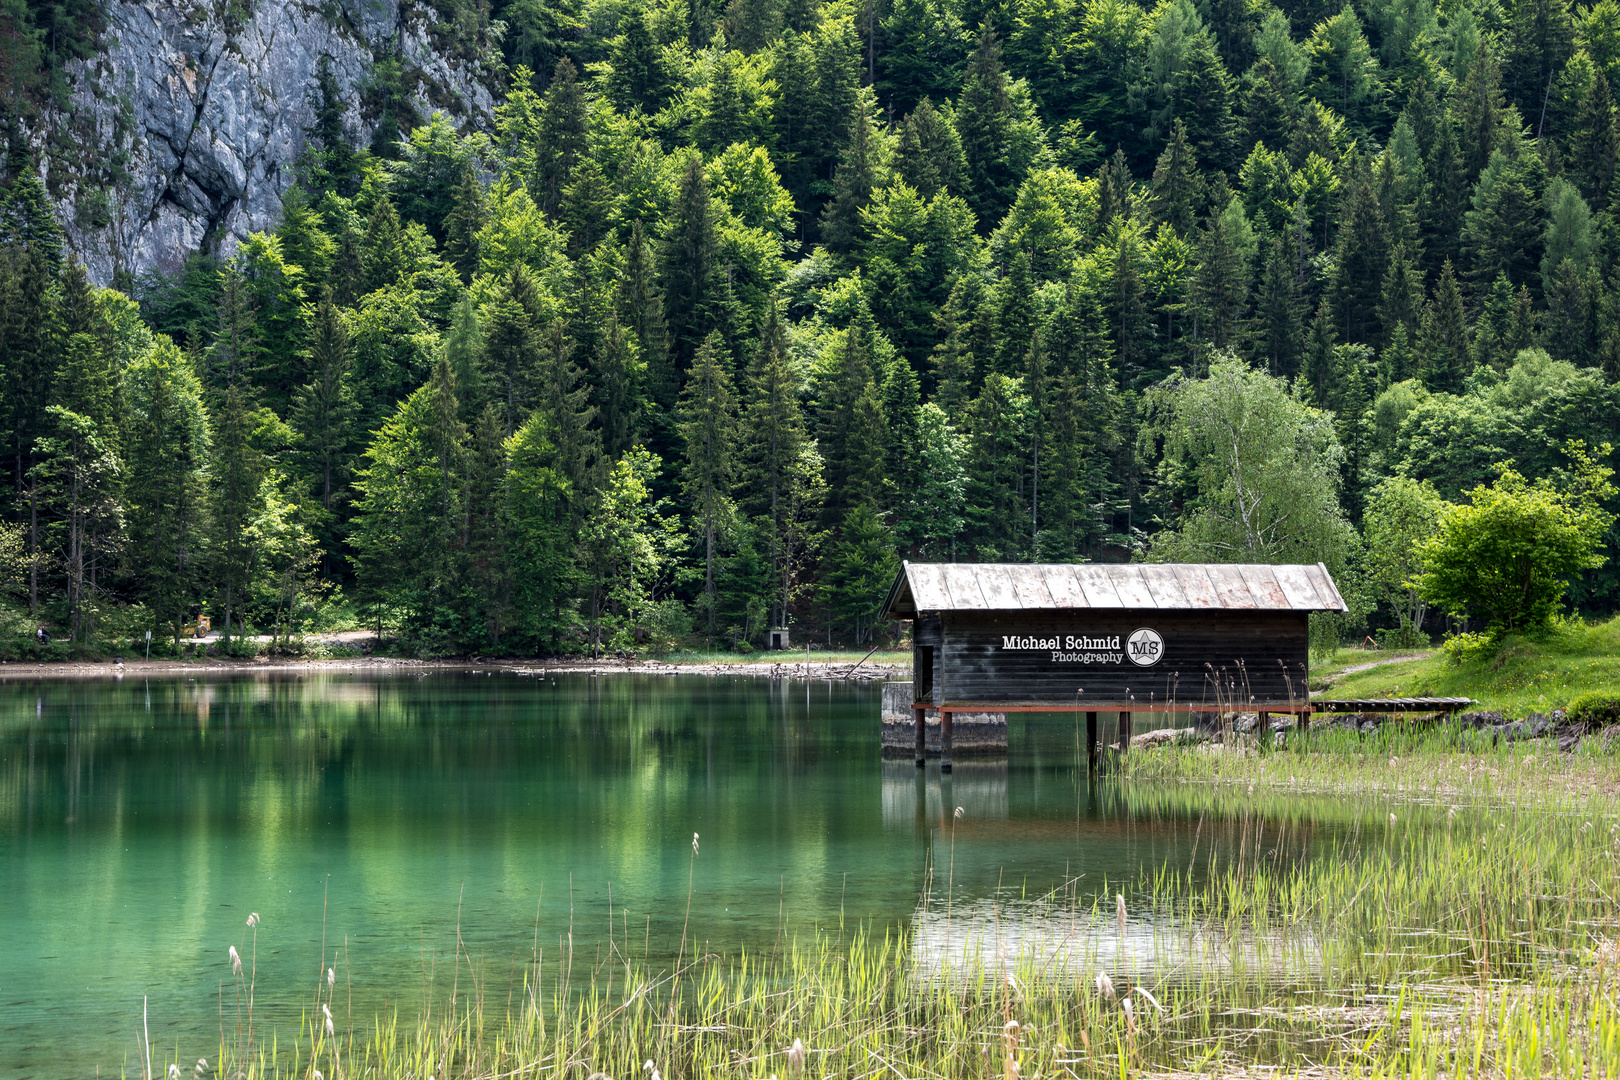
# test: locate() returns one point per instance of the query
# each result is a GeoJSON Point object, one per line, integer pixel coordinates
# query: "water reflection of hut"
{"type": "Point", "coordinates": [910, 797]}
{"type": "Point", "coordinates": [1176, 637]}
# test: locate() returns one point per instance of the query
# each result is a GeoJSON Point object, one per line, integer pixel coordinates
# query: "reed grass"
{"type": "Point", "coordinates": [1419, 930]}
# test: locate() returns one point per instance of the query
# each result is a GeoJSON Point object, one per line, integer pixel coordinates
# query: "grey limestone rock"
{"type": "Point", "coordinates": [201, 126]}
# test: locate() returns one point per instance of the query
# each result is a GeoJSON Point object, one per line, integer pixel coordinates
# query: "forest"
{"type": "Point", "coordinates": [729, 310]}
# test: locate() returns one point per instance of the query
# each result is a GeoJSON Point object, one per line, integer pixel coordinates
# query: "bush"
{"type": "Point", "coordinates": [1468, 649]}
{"type": "Point", "coordinates": [1596, 709]}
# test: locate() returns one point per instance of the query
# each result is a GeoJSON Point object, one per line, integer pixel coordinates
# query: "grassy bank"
{"type": "Point", "coordinates": [1455, 921]}
{"type": "Point", "coordinates": [1518, 677]}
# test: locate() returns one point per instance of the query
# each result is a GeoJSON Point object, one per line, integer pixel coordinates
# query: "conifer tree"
{"type": "Point", "coordinates": [1016, 320]}
{"type": "Point", "coordinates": [641, 310]}
{"type": "Point", "coordinates": [464, 348]}
{"type": "Point", "coordinates": [235, 498]}
{"type": "Point", "coordinates": [485, 538]}
{"type": "Point", "coordinates": [1281, 331]}
{"type": "Point", "coordinates": [324, 409]}
{"type": "Point", "coordinates": [1595, 143]}
{"type": "Point", "coordinates": [1177, 190]}
{"type": "Point", "coordinates": [998, 510]}
{"type": "Point", "coordinates": [1362, 259]}
{"type": "Point", "coordinates": [564, 124]}
{"type": "Point", "coordinates": [1505, 326]}
{"type": "Point", "coordinates": [929, 157]}
{"type": "Point", "coordinates": [690, 269]}
{"type": "Point", "coordinates": [461, 225]}
{"type": "Point", "coordinates": [383, 258]}
{"type": "Point", "coordinates": [1443, 337]}
{"type": "Point", "coordinates": [304, 241]}
{"type": "Point", "coordinates": [984, 121]}
{"type": "Point", "coordinates": [1400, 299]}
{"type": "Point", "coordinates": [952, 361]}
{"type": "Point", "coordinates": [616, 379]}
{"type": "Point", "coordinates": [853, 184]}
{"type": "Point", "coordinates": [238, 347]}
{"type": "Point", "coordinates": [334, 163]}
{"type": "Point", "coordinates": [166, 487]}
{"type": "Point", "coordinates": [1131, 326]}
{"type": "Point", "coordinates": [1476, 109]}
{"type": "Point", "coordinates": [1503, 230]}
{"type": "Point", "coordinates": [771, 455]}
{"type": "Point", "coordinates": [1114, 191]}
{"type": "Point", "coordinates": [639, 78]}
{"type": "Point", "coordinates": [708, 427]}
{"type": "Point", "coordinates": [512, 343]}
{"type": "Point", "coordinates": [1319, 371]}
{"type": "Point", "coordinates": [850, 424]}
{"type": "Point", "coordinates": [564, 397]}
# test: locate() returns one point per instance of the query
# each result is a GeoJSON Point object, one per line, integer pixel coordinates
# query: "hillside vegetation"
{"type": "Point", "coordinates": [730, 309]}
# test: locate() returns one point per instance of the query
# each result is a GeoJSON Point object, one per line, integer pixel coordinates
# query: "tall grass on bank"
{"type": "Point", "coordinates": [1377, 937]}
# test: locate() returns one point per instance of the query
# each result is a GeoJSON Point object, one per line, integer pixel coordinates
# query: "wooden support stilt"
{"type": "Point", "coordinates": [944, 742]}
{"type": "Point", "coordinates": [922, 736]}
{"type": "Point", "coordinates": [1265, 728]}
{"type": "Point", "coordinates": [1124, 731]}
{"type": "Point", "coordinates": [1091, 742]}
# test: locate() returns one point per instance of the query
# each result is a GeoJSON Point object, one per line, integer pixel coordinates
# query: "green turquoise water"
{"type": "Point", "coordinates": [362, 817]}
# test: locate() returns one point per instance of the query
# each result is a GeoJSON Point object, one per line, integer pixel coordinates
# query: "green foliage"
{"type": "Point", "coordinates": [1506, 556]}
{"type": "Point", "coordinates": [1597, 709]}
{"type": "Point", "coordinates": [985, 276]}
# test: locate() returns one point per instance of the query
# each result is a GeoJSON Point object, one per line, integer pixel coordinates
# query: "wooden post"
{"type": "Point", "coordinates": [1091, 742]}
{"type": "Point", "coordinates": [1124, 731]}
{"type": "Point", "coordinates": [944, 741]}
{"type": "Point", "coordinates": [922, 735]}
{"type": "Point", "coordinates": [1264, 721]}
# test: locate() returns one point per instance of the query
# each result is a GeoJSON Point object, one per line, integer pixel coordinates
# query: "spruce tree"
{"type": "Point", "coordinates": [1177, 189]}
{"type": "Point", "coordinates": [238, 471]}
{"type": "Point", "coordinates": [324, 409]}
{"type": "Point", "coordinates": [771, 455]}
{"type": "Point", "coordinates": [512, 342]}
{"type": "Point", "coordinates": [1400, 299]}
{"type": "Point", "coordinates": [383, 258]}
{"type": "Point", "coordinates": [929, 156]}
{"type": "Point", "coordinates": [1595, 144]}
{"type": "Point", "coordinates": [708, 428]}
{"type": "Point", "coordinates": [616, 380]}
{"type": "Point", "coordinates": [564, 125]}
{"type": "Point", "coordinates": [1281, 331]}
{"type": "Point", "coordinates": [461, 225]}
{"type": "Point", "coordinates": [952, 361]}
{"type": "Point", "coordinates": [641, 310]}
{"type": "Point", "coordinates": [1443, 337]}
{"type": "Point", "coordinates": [1016, 318]}
{"type": "Point", "coordinates": [563, 396]}
{"type": "Point", "coordinates": [1476, 109]}
{"type": "Point", "coordinates": [853, 183]}
{"type": "Point", "coordinates": [1361, 259]}
{"type": "Point", "coordinates": [690, 269]}
{"type": "Point", "coordinates": [166, 487]}
{"type": "Point", "coordinates": [984, 122]}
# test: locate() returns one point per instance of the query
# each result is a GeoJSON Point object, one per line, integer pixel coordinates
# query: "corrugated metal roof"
{"type": "Point", "coordinates": [1116, 586]}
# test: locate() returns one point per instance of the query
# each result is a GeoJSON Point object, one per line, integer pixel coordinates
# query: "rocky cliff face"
{"type": "Point", "coordinates": [183, 133]}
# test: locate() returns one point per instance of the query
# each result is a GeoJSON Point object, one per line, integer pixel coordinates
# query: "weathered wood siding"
{"type": "Point", "coordinates": [1210, 659]}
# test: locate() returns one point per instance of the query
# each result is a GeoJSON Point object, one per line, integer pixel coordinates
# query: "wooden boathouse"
{"type": "Point", "coordinates": [1103, 637]}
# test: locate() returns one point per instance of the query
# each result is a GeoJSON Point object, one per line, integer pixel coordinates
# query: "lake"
{"type": "Point", "coordinates": [367, 819]}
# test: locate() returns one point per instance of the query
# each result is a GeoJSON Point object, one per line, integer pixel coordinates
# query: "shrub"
{"type": "Point", "coordinates": [1596, 709]}
{"type": "Point", "coordinates": [1468, 649]}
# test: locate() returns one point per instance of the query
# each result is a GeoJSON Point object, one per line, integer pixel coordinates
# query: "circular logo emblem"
{"type": "Point", "coordinates": [1145, 647]}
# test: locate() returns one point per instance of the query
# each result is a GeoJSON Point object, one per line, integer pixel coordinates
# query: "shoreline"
{"type": "Point", "coordinates": [870, 671]}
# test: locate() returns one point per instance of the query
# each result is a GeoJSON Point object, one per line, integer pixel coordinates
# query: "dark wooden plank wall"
{"type": "Point", "coordinates": [1212, 659]}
